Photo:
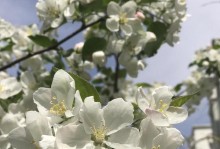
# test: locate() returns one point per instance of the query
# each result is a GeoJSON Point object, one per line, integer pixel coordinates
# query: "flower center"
{"type": "Point", "coordinates": [58, 108]}
{"type": "Point", "coordinates": [99, 134]}
{"type": "Point", "coordinates": [154, 147]}
{"type": "Point", "coordinates": [35, 144]}
{"type": "Point", "coordinates": [162, 106]}
{"type": "Point", "coordinates": [53, 12]}
{"type": "Point", "coordinates": [122, 18]}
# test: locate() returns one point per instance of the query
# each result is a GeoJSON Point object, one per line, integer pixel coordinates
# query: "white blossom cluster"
{"type": "Point", "coordinates": [63, 120]}
{"type": "Point", "coordinates": [60, 115]}
{"type": "Point", "coordinates": [18, 41]}
{"type": "Point", "coordinates": [205, 74]}
{"type": "Point", "coordinates": [125, 27]}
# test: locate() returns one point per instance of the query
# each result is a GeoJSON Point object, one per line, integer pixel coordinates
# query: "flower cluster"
{"type": "Point", "coordinates": [205, 74]}
{"type": "Point", "coordinates": [64, 120]}
{"type": "Point", "coordinates": [68, 113]}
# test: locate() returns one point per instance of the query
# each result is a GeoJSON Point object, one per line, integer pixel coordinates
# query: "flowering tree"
{"type": "Point", "coordinates": [205, 79]}
{"type": "Point", "coordinates": [67, 107]}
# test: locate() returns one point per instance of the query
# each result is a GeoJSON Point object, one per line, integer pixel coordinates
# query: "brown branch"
{"type": "Point", "coordinates": [53, 47]}
{"type": "Point", "coordinates": [116, 74]}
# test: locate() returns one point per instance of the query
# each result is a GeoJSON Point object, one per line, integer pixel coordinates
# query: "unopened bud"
{"type": "Point", "coordinates": [78, 47]}
{"type": "Point", "coordinates": [140, 15]}
{"type": "Point", "coordinates": [151, 37]}
{"type": "Point", "coordinates": [205, 63]}
{"type": "Point", "coordinates": [99, 58]}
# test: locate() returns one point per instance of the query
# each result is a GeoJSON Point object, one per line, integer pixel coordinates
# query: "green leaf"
{"type": "Point", "coordinates": [43, 41]}
{"type": "Point", "coordinates": [145, 85]}
{"type": "Point", "coordinates": [216, 44]}
{"type": "Point", "coordinates": [160, 30]}
{"type": "Point", "coordinates": [8, 46]}
{"type": "Point", "coordinates": [67, 53]}
{"type": "Point", "coordinates": [148, 1]}
{"type": "Point", "coordinates": [178, 87]}
{"type": "Point", "coordinates": [122, 73]}
{"type": "Point", "coordinates": [92, 45]}
{"type": "Point", "coordinates": [192, 64]}
{"type": "Point", "coordinates": [181, 100]}
{"type": "Point", "coordinates": [85, 88]}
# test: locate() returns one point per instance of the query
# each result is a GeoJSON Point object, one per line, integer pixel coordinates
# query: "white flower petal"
{"type": "Point", "coordinates": [70, 10]}
{"type": "Point", "coordinates": [157, 118]}
{"type": "Point", "coordinates": [47, 142]}
{"type": "Point", "coordinates": [171, 138]}
{"type": "Point", "coordinates": [72, 137]}
{"type": "Point", "coordinates": [112, 24]}
{"type": "Point", "coordinates": [28, 80]}
{"type": "Point", "coordinates": [4, 144]}
{"type": "Point", "coordinates": [176, 114]}
{"type": "Point", "coordinates": [148, 133]}
{"type": "Point", "coordinates": [127, 136]}
{"type": "Point", "coordinates": [116, 117]}
{"type": "Point", "coordinates": [129, 8]}
{"type": "Point", "coordinates": [142, 99]}
{"type": "Point", "coordinates": [42, 97]}
{"type": "Point", "coordinates": [20, 138]}
{"type": "Point", "coordinates": [56, 22]}
{"type": "Point", "coordinates": [126, 29]}
{"type": "Point", "coordinates": [162, 93]}
{"type": "Point", "coordinates": [113, 8]}
{"type": "Point", "coordinates": [9, 87]}
{"type": "Point", "coordinates": [121, 146]}
{"type": "Point", "coordinates": [37, 124]}
{"type": "Point", "coordinates": [63, 88]}
{"type": "Point", "coordinates": [78, 104]}
{"type": "Point", "coordinates": [91, 114]}
{"type": "Point", "coordinates": [9, 122]}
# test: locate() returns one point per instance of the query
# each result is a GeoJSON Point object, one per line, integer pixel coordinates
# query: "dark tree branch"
{"type": "Point", "coordinates": [116, 74]}
{"type": "Point", "coordinates": [53, 47]}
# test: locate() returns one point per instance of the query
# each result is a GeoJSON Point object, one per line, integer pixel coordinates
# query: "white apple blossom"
{"type": "Point", "coordinates": [28, 137]}
{"type": "Point", "coordinates": [56, 102]}
{"type": "Point", "coordinates": [6, 29]}
{"type": "Point", "coordinates": [100, 127]}
{"type": "Point", "coordinates": [9, 87]}
{"type": "Point", "coordinates": [51, 11]}
{"type": "Point", "coordinates": [8, 121]}
{"type": "Point", "coordinates": [130, 63]}
{"type": "Point", "coordinates": [22, 41]}
{"type": "Point", "coordinates": [157, 107]}
{"type": "Point", "coordinates": [154, 138]}
{"type": "Point", "coordinates": [120, 17]}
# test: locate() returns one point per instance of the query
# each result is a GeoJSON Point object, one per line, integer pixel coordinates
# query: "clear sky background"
{"type": "Point", "coordinates": [170, 65]}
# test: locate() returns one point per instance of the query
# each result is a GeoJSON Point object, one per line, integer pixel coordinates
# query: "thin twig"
{"type": "Point", "coordinates": [53, 47]}
{"type": "Point", "coordinates": [116, 74]}
{"type": "Point", "coordinates": [210, 3]}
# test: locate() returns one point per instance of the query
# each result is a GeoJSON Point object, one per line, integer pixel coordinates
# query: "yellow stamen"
{"type": "Point", "coordinates": [123, 18]}
{"type": "Point", "coordinates": [162, 106]}
{"type": "Point", "coordinates": [99, 134]}
{"type": "Point", "coordinates": [154, 147]}
{"type": "Point", "coordinates": [35, 144]}
{"type": "Point", "coordinates": [53, 12]}
{"type": "Point", "coordinates": [59, 108]}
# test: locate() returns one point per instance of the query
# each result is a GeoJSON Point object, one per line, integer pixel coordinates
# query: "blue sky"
{"type": "Point", "coordinates": [169, 65]}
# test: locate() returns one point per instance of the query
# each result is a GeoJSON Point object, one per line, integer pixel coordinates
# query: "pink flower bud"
{"type": "Point", "coordinates": [139, 15]}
